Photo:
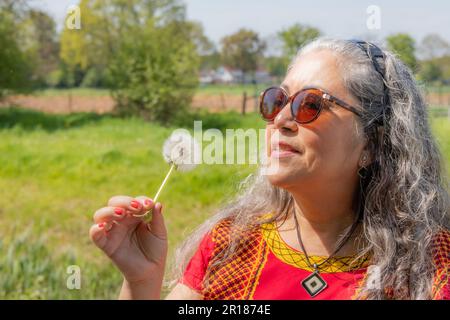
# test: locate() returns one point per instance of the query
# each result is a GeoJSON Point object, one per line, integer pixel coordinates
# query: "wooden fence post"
{"type": "Point", "coordinates": [244, 102]}
{"type": "Point", "coordinates": [70, 101]}
{"type": "Point", "coordinates": [222, 100]}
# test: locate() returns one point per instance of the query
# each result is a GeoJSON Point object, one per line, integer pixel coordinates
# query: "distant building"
{"type": "Point", "coordinates": [226, 75]}
{"type": "Point", "coordinates": [207, 77]}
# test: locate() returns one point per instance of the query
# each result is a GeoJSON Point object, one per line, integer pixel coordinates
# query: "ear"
{"type": "Point", "coordinates": [365, 159]}
{"type": "Point", "coordinates": [367, 155]}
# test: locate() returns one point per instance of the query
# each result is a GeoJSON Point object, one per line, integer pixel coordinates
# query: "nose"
{"type": "Point", "coordinates": [284, 120]}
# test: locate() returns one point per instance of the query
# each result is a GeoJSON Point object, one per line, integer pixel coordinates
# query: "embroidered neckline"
{"type": "Point", "coordinates": [296, 258]}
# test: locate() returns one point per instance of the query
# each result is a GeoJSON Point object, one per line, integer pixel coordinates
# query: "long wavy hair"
{"type": "Point", "coordinates": [404, 197]}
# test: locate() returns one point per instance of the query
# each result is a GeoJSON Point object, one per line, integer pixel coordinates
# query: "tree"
{"type": "Point", "coordinates": [89, 47]}
{"type": "Point", "coordinates": [209, 57]}
{"type": "Point", "coordinates": [295, 37]}
{"type": "Point", "coordinates": [204, 45]}
{"type": "Point", "coordinates": [38, 39]}
{"type": "Point", "coordinates": [430, 72]}
{"type": "Point", "coordinates": [16, 8]}
{"type": "Point", "coordinates": [242, 50]}
{"type": "Point", "coordinates": [403, 45]}
{"type": "Point", "coordinates": [276, 66]}
{"type": "Point", "coordinates": [433, 49]}
{"type": "Point", "coordinates": [154, 72]}
{"type": "Point", "coordinates": [146, 49]}
{"type": "Point", "coordinates": [14, 76]}
{"type": "Point", "coordinates": [210, 61]}
{"type": "Point", "coordinates": [433, 46]}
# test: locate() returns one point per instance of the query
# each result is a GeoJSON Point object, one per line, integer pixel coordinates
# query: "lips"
{"type": "Point", "coordinates": [283, 149]}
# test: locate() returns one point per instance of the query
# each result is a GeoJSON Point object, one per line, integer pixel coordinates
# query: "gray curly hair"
{"type": "Point", "coordinates": [404, 197]}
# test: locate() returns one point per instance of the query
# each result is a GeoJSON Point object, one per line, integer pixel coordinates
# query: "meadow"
{"type": "Point", "coordinates": [56, 170]}
{"type": "Point", "coordinates": [212, 89]}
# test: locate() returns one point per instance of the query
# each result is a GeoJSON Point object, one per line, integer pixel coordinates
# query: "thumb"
{"type": "Point", "coordinates": [157, 226]}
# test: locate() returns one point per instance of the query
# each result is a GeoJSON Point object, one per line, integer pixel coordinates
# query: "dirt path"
{"type": "Point", "coordinates": [103, 104]}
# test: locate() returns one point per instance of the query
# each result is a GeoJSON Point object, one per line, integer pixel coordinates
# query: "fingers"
{"type": "Point", "coordinates": [109, 214]}
{"type": "Point", "coordinates": [136, 205]}
{"type": "Point", "coordinates": [98, 235]}
{"type": "Point", "coordinates": [120, 215]}
{"type": "Point", "coordinates": [125, 202]}
{"type": "Point", "coordinates": [121, 207]}
{"type": "Point", "coordinates": [147, 204]}
{"type": "Point", "coordinates": [157, 225]}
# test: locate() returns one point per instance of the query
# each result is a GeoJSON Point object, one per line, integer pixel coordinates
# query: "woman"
{"type": "Point", "coordinates": [355, 206]}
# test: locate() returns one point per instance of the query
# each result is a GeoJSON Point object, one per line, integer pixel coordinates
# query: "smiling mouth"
{"type": "Point", "coordinates": [283, 150]}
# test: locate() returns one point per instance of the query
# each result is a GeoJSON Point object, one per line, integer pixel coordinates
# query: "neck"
{"type": "Point", "coordinates": [323, 221]}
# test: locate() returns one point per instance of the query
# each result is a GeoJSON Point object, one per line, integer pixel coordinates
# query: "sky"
{"type": "Point", "coordinates": [343, 18]}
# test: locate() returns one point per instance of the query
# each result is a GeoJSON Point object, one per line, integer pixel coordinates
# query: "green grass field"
{"type": "Point", "coordinates": [81, 92]}
{"type": "Point", "coordinates": [231, 89]}
{"type": "Point", "coordinates": [55, 171]}
{"type": "Point", "coordinates": [439, 89]}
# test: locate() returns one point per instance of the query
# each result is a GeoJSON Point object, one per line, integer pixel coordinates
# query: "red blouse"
{"type": "Point", "coordinates": [268, 268]}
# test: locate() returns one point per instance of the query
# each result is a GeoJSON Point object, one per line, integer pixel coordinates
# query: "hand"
{"type": "Point", "coordinates": [138, 249]}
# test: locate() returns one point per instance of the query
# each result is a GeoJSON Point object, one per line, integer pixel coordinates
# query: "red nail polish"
{"type": "Point", "coordinates": [101, 225]}
{"type": "Point", "coordinates": [118, 211]}
{"type": "Point", "coordinates": [135, 204]}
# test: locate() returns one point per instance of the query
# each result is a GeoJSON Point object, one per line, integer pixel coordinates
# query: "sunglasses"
{"type": "Point", "coordinates": [306, 104]}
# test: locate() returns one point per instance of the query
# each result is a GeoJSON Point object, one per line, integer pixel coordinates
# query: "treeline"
{"type": "Point", "coordinates": [149, 55]}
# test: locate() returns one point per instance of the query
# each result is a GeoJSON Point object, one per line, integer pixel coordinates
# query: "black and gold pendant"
{"type": "Point", "coordinates": [314, 284]}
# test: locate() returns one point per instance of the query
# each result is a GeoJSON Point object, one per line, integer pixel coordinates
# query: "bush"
{"type": "Point", "coordinates": [13, 63]}
{"type": "Point", "coordinates": [155, 72]}
{"type": "Point", "coordinates": [94, 78]}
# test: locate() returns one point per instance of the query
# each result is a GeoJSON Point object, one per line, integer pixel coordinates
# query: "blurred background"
{"type": "Point", "coordinates": [90, 89]}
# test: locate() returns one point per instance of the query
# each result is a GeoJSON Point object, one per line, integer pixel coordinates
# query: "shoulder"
{"type": "Point", "coordinates": [222, 229]}
{"type": "Point", "coordinates": [441, 249]}
{"type": "Point", "coordinates": [230, 229]}
{"type": "Point", "coordinates": [441, 258]}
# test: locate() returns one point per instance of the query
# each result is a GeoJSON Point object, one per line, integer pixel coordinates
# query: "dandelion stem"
{"type": "Point", "coordinates": [147, 214]}
{"type": "Point", "coordinates": [163, 183]}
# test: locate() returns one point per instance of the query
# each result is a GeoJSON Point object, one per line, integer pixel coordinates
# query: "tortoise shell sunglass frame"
{"type": "Point", "coordinates": [306, 104]}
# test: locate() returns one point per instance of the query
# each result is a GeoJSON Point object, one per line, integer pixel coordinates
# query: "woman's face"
{"type": "Point", "coordinates": [327, 149]}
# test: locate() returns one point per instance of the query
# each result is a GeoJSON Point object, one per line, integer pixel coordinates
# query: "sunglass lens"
{"type": "Point", "coordinates": [306, 106]}
{"type": "Point", "coordinates": [272, 101]}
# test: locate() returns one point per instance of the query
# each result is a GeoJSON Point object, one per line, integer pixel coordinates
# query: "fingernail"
{"type": "Point", "coordinates": [118, 211]}
{"type": "Point", "coordinates": [101, 225]}
{"type": "Point", "coordinates": [147, 202]}
{"type": "Point", "coordinates": [135, 204]}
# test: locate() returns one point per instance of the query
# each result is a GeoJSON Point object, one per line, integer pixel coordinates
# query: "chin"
{"type": "Point", "coordinates": [282, 178]}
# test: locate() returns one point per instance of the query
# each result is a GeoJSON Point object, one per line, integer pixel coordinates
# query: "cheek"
{"type": "Point", "coordinates": [270, 132]}
{"type": "Point", "coordinates": [330, 149]}
{"type": "Point", "coordinates": [343, 163]}
{"type": "Point", "coordinates": [268, 135]}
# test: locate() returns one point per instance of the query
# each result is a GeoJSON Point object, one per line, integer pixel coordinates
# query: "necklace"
{"type": "Point", "coordinates": [314, 283]}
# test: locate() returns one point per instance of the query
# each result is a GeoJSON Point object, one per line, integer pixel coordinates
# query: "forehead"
{"type": "Point", "coordinates": [315, 69]}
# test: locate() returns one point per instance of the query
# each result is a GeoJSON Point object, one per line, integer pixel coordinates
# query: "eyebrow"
{"type": "Point", "coordinates": [286, 88]}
